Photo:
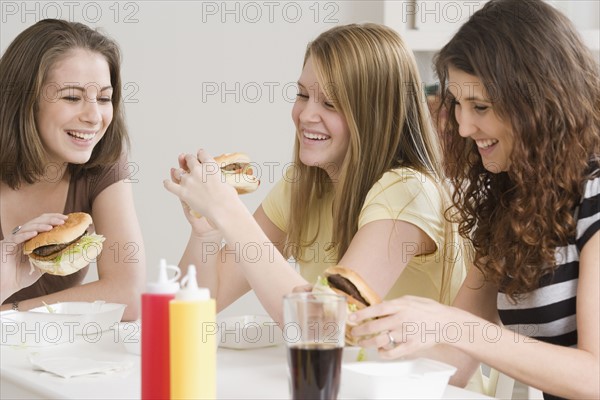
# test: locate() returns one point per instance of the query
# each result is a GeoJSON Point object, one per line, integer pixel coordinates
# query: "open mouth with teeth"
{"type": "Point", "coordinates": [485, 144]}
{"type": "Point", "coordinates": [81, 135]}
{"type": "Point", "coordinates": [315, 136]}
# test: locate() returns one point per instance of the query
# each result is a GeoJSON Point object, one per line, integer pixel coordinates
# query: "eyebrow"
{"type": "Point", "coordinates": [475, 98]}
{"type": "Point", "coordinates": [82, 88]}
{"type": "Point", "coordinates": [469, 98]}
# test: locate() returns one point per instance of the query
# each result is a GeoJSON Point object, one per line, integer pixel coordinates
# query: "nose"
{"type": "Point", "coordinates": [309, 111]}
{"type": "Point", "coordinates": [91, 112]}
{"type": "Point", "coordinates": [466, 125]}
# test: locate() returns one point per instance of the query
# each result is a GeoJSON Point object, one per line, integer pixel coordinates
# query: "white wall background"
{"type": "Point", "coordinates": [216, 74]}
{"type": "Point", "coordinates": [212, 74]}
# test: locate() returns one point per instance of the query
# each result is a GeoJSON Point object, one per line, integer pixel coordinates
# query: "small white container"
{"type": "Point", "coordinates": [59, 323]}
{"type": "Point", "coordinates": [409, 379]}
{"type": "Point", "coordinates": [248, 332]}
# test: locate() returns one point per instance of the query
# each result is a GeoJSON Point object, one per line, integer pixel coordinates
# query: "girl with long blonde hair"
{"type": "Point", "coordinates": [365, 189]}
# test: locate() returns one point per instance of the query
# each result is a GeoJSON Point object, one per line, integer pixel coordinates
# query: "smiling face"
{"type": "Point", "coordinates": [323, 133]}
{"type": "Point", "coordinates": [478, 121]}
{"type": "Point", "coordinates": [75, 107]}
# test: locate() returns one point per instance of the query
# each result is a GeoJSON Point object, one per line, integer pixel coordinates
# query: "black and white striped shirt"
{"type": "Point", "coordinates": [549, 313]}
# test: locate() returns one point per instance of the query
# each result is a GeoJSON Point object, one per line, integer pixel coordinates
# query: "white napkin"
{"type": "Point", "coordinates": [68, 367]}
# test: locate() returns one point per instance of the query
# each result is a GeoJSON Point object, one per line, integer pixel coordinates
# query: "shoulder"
{"type": "Point", "coordinates": [408, 195]}
{"type": "Point", "coordinates": [407, 182]}
{"type": "Point", "coordinates": [593, 167]}
{"type": "Point", "coordinates": [591, 185]}
{"type": "Point", "coordinates": [588, 212]}
{"type": "Point", "coordinates": [95, 181]}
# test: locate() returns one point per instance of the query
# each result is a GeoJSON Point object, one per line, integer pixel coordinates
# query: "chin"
{"type": "Point", "coordinates": [80, 158]}
{"type": "Point", "coordinates": [495, 168]}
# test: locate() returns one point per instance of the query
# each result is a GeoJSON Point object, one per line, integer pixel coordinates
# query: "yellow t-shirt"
{"type": "Point", "coordinates": [401, 194]}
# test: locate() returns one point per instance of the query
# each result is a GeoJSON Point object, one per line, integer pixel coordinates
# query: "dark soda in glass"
{"type": "Point", "coordinates": [315, 370]}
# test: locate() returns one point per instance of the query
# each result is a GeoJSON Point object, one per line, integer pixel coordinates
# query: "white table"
{"type": "Point", "coordinates": [242, 374]}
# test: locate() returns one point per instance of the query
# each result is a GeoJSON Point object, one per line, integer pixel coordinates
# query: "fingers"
{"type": "Point", "coordinates": [189, 162]}
{"type": "Point", "coordinates": [193, 177]}
{"type": "Point", "coordinates": [177, 174]}
{"type": "Point", "coordinates": [30, 229]}
{"type": "Point", "coordinates": [303, 288]}
{"type": "Point", "coordinates": [181, 161]}
{"type": "Point", "coordinates": [22, 236]}
{"type": "Point", "coordinates": [377, 310]}
{"type": "Point", "coordinates": [172, 187]}
{"type": "Point", "coordinates": [204, 157]}
{"type": "Point", "coordinates": [374, 326]}
{"type": "Point", "coordinates": [391, 307]}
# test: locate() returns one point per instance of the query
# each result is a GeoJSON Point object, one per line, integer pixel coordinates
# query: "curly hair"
{"type": "Point", "coordinates": [545, 83]}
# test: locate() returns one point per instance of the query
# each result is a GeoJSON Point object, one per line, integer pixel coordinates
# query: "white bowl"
{"type": "Point", "coordinates": [248, 332]}
{"type": "Point", "coordinates": [410, 379]}
{"type": "Point", "coordinates": [130, 334]}
{"type": "Point", "coordinates": [59, 323]}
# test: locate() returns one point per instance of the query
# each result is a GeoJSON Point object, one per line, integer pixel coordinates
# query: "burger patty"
{"type": "Point", "coordinates": [233, 167]}
{"type": "Point", "coordinates": [45, 251]}
{"type": "Point", "coordinates": [343, 284]}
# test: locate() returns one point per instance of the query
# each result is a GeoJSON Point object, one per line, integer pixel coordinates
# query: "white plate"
{"type": "Point", "coordinates": [248, 332]}
{"type": "Point", "coordinates": [59, 323]}
{"type": "Point", "coordinates": [409, 379]}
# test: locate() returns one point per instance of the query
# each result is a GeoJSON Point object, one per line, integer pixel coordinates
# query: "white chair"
{"type": "Point", "coordinates": [498, 385]}
{"type": "Point", "coordinates": [491, 382]}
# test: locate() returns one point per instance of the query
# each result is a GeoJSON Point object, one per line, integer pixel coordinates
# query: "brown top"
{"type": "Point", "coordinates": [83, 190]}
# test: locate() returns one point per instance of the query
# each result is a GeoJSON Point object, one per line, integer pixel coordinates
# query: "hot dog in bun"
{"type": "Point", "coordinates": [66, 248]}
{"type": "Point", "coordinates": [346, 282]}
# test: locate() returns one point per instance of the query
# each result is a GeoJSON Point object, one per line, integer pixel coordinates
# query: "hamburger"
{"type": "Point", "coordinates": [66, 248]}
{"type": "Point", "coordinates": [346, 282]}
{"type": "Point", "coordinates": [237, 171]}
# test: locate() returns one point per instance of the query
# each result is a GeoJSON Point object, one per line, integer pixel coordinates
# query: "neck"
{"type": "Point", "coordinates": [53, 173]}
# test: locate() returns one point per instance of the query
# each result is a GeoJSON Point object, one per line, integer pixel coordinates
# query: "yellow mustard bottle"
{"type": "Point", "coordinates": [193, 348]}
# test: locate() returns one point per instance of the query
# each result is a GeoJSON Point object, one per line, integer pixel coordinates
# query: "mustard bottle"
{"type": "Point", "coordinates": [193, 348]}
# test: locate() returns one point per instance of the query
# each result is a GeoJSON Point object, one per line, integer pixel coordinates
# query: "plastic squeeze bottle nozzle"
{"type": "Point", "coordinates": [155, 333]}
{"type": "Point", "coordinates": [193, 344]}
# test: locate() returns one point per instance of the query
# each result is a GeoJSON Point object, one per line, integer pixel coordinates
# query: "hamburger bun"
{"type": "Point", "coordinates": [66, 248]}
{"type": "Point", "coordinates": [73, 227]}
{"type": "Point", "coordinates": [348, 283]}
{"type": "Point", "coordinates": [237, 171]}
{"type": "Point", "coordinates": [364, 290]}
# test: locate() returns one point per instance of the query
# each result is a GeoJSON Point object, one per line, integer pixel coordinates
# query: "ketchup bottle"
{"type": "Point", "coordinates": [155, 333]}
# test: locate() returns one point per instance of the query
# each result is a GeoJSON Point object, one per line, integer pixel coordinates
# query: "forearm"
{"type": "Point", "coordinates": [5, 293]}
{"type": "Point", "coordinates": [562, 371]}
{"type": "Point", "coordinates": [265, 269]}
{"type": "Point", "coordinates": [111, 291]}
{"type": "Point", "coordinates": [204, 254]}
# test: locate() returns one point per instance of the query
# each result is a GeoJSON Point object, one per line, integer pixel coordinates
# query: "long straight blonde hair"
{"type": "Point", "coordinates": [371, 76]}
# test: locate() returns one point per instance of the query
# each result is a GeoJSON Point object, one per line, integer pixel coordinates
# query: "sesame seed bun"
{"type": "Point", "coordinates": [66, 248]}
{"type": "Point", "coordinates": [74, 226]}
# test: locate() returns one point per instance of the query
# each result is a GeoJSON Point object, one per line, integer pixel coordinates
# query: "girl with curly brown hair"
{"type": "Point", "coordinates": [523, 152]}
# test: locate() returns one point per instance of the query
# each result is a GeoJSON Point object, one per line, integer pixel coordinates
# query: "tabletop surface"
{"type": "Point", "coordinates": [241, 374]}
